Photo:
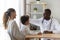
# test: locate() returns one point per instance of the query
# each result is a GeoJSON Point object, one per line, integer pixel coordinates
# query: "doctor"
{"type": "Point", "coordinates": [48, 24]}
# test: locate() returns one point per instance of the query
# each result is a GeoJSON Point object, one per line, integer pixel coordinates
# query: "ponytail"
{"type": "Point", "coordinates": [5, 19]}
{"type": "Point", "coordinates": [6, 16]}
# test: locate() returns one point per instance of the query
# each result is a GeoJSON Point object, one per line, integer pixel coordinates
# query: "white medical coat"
{"type": "Point", "coordinates": [46, 25]}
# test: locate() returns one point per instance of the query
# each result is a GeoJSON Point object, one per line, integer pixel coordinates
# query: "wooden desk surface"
{"type": "Point", "coordinates": [57, 36]}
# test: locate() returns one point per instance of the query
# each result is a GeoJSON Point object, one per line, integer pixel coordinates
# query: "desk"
{"type": "Point", "coordinates": [57, 36]}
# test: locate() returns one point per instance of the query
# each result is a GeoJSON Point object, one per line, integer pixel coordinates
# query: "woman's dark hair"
{"type": "Point", "coordinates": [24, 19]}
{"type": "Point", "coordinates": [6, 16]}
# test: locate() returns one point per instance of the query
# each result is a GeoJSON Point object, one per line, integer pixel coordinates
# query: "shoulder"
{"type": "Point", "coordinates": [11, 22]}
{"type": "Point", "coordinates": [14, 22]}
{"type": "Point", "coordinates": [40, 19]}
{"type": "Point", "coordinates": [23, 27]}
{"type": "Point", "coordinates": [55, 21]}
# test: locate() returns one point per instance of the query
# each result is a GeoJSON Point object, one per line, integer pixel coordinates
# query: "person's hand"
{"type": "Point", "coordinates": [47, 32]}
{"type": "Point", "coordinates": [39, 33]}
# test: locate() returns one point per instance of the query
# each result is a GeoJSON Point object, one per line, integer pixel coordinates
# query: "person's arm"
{"type": "Point", "coordinates": [55, 26]}
{"type": "Point", "coordinates": [48, 32]}
{"type": "Point", "coordinates": [16, 32]}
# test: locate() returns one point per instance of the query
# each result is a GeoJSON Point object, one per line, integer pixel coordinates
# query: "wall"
{"type": "Point", "coordinates": [54, 5]}
{"type": "Point", "coordinates": [6, 4]}
{"type": "Point", "coordinates": [1, 11]}
{"type": "Point", "coordinates": [21, 7]}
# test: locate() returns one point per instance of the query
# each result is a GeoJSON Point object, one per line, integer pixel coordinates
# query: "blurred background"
{"type": "Point", "coordinates": [19, 6]}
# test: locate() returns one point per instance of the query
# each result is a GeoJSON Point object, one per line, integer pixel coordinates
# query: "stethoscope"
{"type": "Point", "coordinates": [50, 23]}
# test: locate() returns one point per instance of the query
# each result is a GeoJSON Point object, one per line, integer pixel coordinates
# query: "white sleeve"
{"type": "Point", "coordinates": [35, 21]}
{"type": "Point", "coordinates": [55, 26]}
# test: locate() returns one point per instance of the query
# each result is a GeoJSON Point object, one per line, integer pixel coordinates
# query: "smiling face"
{"type": "Point", "coordinates": [47, 14]}
{"type": "Point", "coordinates": [25, 20]}
{"type": "Point", "coordinates": [13, 15]}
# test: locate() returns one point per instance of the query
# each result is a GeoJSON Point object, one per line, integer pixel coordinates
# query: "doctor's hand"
{"type": "Point", "coordinates": [39, 33]}
{"type": "Point", "coordinates": [47, 32]}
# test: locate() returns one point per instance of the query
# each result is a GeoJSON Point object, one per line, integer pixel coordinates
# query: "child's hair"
{"type": "Point", "coordinates": [6, 16]}
{"type": "Point", "coordinates": [24, 19]}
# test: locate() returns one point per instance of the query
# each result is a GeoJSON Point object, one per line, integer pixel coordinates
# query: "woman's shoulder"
{"type": "Point", "coordinates": [12, 21]}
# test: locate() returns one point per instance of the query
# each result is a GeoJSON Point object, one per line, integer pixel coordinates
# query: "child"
{"type": "Point", "coordinates": [25, 22]}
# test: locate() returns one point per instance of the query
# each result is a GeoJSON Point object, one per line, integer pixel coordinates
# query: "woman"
{"type": "Point", "coordinates": [25, 25]}
{"type": "Point", "coordinates": [11, 25]}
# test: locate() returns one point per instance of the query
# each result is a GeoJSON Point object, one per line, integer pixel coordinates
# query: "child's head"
{"type": "Point", "coordinates": [25, 20]}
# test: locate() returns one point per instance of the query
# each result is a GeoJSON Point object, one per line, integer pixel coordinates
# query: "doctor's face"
{"type": "Point", "coordinates": [46, 15]}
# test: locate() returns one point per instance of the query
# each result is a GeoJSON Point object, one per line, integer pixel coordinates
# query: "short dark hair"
{"type": "Point", "coordinates": [48, 11]}
{"type": "Point", "coordinates": [24, 19]}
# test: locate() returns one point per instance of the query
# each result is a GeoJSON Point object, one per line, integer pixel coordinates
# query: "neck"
{"type": "Point", "coordinates": [11, 18]}
{"type": "Point", "coordinates": [47, 18]}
